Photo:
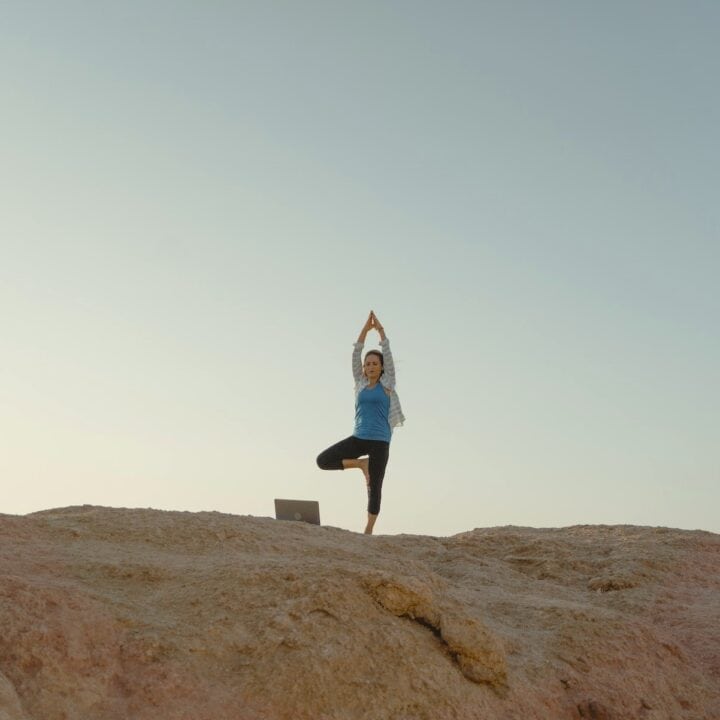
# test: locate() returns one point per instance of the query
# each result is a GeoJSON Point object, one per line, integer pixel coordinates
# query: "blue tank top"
{"type": "Point", "coordinates": [372, 410]}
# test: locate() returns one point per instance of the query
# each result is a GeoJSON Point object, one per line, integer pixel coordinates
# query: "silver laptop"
{"type": "Point", "coordinates": [303, 510]}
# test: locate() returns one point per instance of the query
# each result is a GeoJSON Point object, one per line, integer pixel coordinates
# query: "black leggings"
{"type": "Point", "coordinates": [352, 448]}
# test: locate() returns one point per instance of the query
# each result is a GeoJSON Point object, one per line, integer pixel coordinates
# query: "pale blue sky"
{"type": "Point", "coordinates": [200, 202]}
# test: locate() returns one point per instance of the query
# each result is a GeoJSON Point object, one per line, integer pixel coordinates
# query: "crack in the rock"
{"type": "Point", "coordinates": [476, 652]}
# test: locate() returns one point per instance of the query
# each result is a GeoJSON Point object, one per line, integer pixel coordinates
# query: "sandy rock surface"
{"type": "Point", "coordinates": [143, 614]}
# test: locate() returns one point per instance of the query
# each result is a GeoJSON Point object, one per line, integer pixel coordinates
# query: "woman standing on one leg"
{"type": "Point", "coordinates": [377, 412]}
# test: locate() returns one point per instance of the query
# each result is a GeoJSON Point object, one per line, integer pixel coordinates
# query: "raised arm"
{"type": "Point", "coordinates": [357, 349]}
{"type": "Point", "coordinates": [377, 325]}
{"type": "Point", "coordinates": [388, 377]}
{"type": "Point", "coordinates": [367, 327]}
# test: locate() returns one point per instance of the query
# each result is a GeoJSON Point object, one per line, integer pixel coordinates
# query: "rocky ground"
{"type": "Point", "coordinates": [123, 614]}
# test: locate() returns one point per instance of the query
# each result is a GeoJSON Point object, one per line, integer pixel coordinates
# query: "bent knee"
{"type": "Point", "coordinates": [323, 461]}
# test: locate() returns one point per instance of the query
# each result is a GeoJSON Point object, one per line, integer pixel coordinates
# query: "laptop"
{"type": "Point", "coordinates": [303, 510]}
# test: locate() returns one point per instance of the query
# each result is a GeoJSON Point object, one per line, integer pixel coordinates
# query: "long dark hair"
{"type": "Point", "coordinates": [382, 360]}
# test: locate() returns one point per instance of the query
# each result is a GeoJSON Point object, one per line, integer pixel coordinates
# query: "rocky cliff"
{"type": "Point", "coordinates": [146, 615]}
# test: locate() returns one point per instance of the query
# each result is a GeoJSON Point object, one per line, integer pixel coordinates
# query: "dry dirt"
{"type": "Point", "coordinates": [148, 615]}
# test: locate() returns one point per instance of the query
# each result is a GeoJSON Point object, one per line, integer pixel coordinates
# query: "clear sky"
{"type": "Point", "coordinates": [201, 201]}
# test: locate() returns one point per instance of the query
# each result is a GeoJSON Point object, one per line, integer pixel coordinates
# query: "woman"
{"type": "Point", "coordinates": [377, 412]}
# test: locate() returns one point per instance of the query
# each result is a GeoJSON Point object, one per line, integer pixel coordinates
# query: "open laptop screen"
{"type": "Point", "coordinates": [303, 510]}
